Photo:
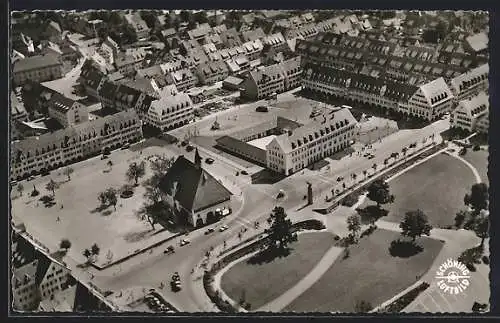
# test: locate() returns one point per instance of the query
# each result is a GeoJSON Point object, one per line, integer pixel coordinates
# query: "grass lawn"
{"type": "Point", "coordinates": [263, 283]}
{"type": "Point", "coordinates": [437, 187]}
{"type": "Point", "coordinates": [478, 159]}
{"type": "Point", "coordinates": [370, 274]}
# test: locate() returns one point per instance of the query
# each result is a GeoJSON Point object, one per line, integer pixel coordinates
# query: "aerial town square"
{"type": "Point", "coordinates": [331, 161]}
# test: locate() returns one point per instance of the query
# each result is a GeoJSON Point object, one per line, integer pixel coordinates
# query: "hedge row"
{"type": "Point", "coordinates": [399, 304]}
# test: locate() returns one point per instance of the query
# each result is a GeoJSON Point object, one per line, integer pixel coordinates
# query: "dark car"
{"type": "Point", "coordinates": [189, 148]}
{"type": "Point", "coordinates": [209, 230]}
{"type": "Point", "coordinates": [209, 161]}
{"type": "Point", "coordinates": [184, 143]}
{"type": "Point", "coordinates": [169, 250]}
{"type": "Point", "coordinates": [262, 109]}
{"type": "Point", "coordinates": [244, 172]}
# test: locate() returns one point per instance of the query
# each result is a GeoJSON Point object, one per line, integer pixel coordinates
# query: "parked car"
{"type": "Point", "coordinates": [209, 230]}
{"type": "Point", "coordinates": [104, 157]}
{"type": "Point", "coordinates": [184, 242]}
{"type": "Point", "coordinates": [223, 228]}
{"type": "Point", "coordinates": [371, 157]}
{"type": "Point", "coordinates": [209, 160]}
{"type": "Point", "coordinates": [189, 148]}
{"type": "Point", "coordinates": [244, 172]}
{"type": "Point", "coordinates": [169, 250]}
{"type": "Point", "coordinates": [262, 109]}
{"type": "Point", "coordinates": [126, 146]}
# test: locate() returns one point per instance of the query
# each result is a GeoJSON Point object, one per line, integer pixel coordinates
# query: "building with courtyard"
{"type": "Point", "coordinates": [193, 194]}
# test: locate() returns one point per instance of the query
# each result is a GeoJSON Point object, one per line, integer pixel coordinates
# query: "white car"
{"type": "Point", "coordinates": [184, 242]}
{"type": "Point", "coordinates": [223, 228]}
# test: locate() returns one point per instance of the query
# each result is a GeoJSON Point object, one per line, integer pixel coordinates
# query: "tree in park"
{"type": "Point", "coordinates": [136, 171]}
{"type": "Point", "coordinates": [460, 217]}
{"type": "Point", "coordinates": [65, 244]}
{"type": "Point", "coordinates": [404, 151]}
{"type": "Point", "coordinates": [478, 197]}
{"type": "Point", "coordinates": [20, 188]}
{"type": "Point", "coordinates": [52, 186]}
{"type": "Point", "coordinates": [94, 249]}
{"type": "Point", "coordinates": [68, 171]}
{"type": "Point", "coordinates": [111, 197]}
{"type": "Point", "coordinates": [415, 224]}
{"type": "Point", "coordinates": [354, 226]}
{"type": "Point", "coordinates": [87, 254]}
{"type": "Point", "coordinates": [102, 198]}
{"type": "Point", "coordinates": [482, 227]}
{"type": "Point", "coordinates": [280, 231]}
{"type": "Point", "coordinates": [379, 192]}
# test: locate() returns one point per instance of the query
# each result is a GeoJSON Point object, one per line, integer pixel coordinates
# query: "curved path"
{"type": "Point", "coordinates": [329, 258]}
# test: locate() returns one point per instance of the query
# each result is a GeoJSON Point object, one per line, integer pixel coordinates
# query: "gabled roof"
{"type": "Point", "coordinates": [478, 42]}
{"type": "Point", "coordinates": [436, 91]}
{"type": "Point", "coordinates": [35, 62]}
{"type": "Point", "coordinates": [253, 34]}
{"type": "Point", "coordinates": [61, 103]}
{"type": "Point", "coordinates": [476, 105]}
{"type": "Point", "coordinates": [193, 187]}
{"type": "Point", "coordinates": [472, 77]}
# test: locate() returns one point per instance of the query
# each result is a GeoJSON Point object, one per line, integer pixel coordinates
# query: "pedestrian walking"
{"type": "Point", "coordinates": [58, 219]}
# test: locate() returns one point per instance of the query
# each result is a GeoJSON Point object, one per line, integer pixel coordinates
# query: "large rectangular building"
{"type": "Point", "coordinates": [37, 68]}
{"type": "Point", "coordinates": [170, 112]}
{"type": "Point", "coordinates": [330, 132]}
{"type": "Point", "coordinates": [470, 112]}
{"type": "Point", "coordinates": [265, 81]}
{"type": "Point", "coordinates": [34, 155]}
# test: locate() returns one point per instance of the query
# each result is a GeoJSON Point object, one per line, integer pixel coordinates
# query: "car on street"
{"type": "Point", "coordinates": [262, 109]}
{"type": "Point", "coordinates": [209, 160]}
{"type": "Point", "coordinates": [209, 230]}
{"type": "Point", "coordinates": [340, 179]}
{"type": "Point", "coordinates": [189, 148]}
{"type": "Point", "coordinates": [104, 157]}
{"type": "Point", "coordinates": [223, 228]}
{"type": "Point", "coordinates": [29, 179]}
{"type": "Point", "coordinates": [184, 242]}
{"type": "Point", "coordinates": [244, 172]}
{"type": "Point", "coordinates": [366, 155]}
{"type": "Point", "coordinates": [371, 156]}
{"type": "Point", "coordinates": [170, 249]}
{"type": "Point", "coordinates": [126, 146]}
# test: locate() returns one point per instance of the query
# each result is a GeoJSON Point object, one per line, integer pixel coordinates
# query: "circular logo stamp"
{"type": "Point", "coordinates": [452, 277]}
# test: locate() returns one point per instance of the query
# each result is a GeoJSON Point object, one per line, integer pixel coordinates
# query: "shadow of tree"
{"type": "Point", "coordinates": [59, 254]}
{"type": "Point", "coordinates": [99, 209]}
{"type": "Point", "coordinates": [107, 212]}
{"type": "Point", "coordinates": [265, 176]}
{"type": "Point", "coordinates": [268, 255]}
{"type": "Point", "coordinates": [137, 236]}
{"type": "Point", "coordinates": [404, 249]}
{"type": "Point", "coordinates": [371, 213]}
